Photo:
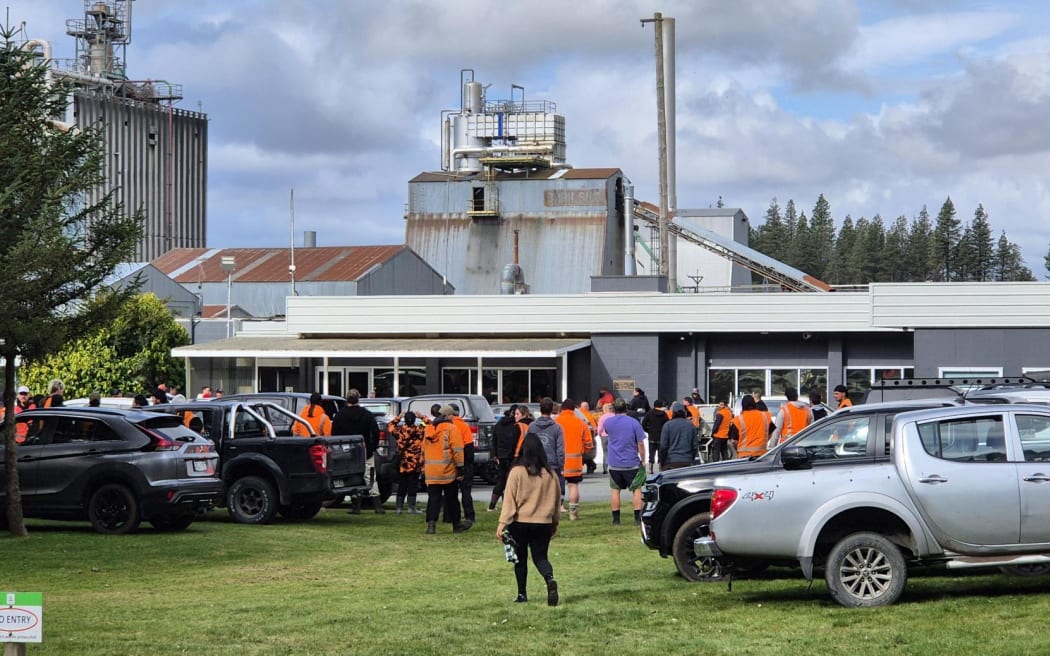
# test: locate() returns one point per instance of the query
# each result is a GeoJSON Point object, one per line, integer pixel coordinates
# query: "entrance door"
{"type": "Point", "coordinates": [343, 379]}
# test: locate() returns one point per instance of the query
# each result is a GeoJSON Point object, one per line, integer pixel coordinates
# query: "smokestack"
{"type": "Point", "coordinates": [310, 239]}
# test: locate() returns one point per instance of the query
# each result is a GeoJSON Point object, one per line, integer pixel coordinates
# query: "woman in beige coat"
{"type": "Point", "coordinates": [531, 504]}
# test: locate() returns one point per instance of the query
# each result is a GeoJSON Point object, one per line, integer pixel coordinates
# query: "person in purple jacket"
{"type": "Point", "coordinates": [626, 455]}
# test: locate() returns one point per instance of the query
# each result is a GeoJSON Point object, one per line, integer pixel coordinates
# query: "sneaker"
{"type": "Point", "coordinates": [521, 599]}
{"type": "Point", "coordinates": [573, 515]}
{"type": "Point", "coordinates": [552, 593]}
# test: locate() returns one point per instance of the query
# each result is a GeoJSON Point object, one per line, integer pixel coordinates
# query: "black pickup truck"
{"type": "Point", "coordinates": [268, 470]}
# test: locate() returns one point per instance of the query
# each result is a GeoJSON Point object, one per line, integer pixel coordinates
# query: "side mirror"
{"type": "Point", "coordinates": [795, 457]}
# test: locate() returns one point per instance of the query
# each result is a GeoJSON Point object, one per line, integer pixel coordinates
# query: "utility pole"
{"type": "Point", "coordinates": [661, 130]}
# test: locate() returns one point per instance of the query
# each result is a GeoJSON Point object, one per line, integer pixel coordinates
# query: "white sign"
{"type": "Point", "coordinates": [21, 617]}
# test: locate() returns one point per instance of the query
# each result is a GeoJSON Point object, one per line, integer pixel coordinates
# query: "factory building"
{"type": "Point", "coordinates": [156, 154]}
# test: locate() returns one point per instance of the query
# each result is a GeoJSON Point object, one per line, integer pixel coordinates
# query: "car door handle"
{"type": "Point", "coordinates": [1037, 478]}
{"type": "Point", "coordinates": [933, 480]}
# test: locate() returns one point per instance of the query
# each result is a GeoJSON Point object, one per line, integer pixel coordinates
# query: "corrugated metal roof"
{"type": "Point", "coordinates": [540, 174]}
{"type": "Point", "coordinates": [321, 264]}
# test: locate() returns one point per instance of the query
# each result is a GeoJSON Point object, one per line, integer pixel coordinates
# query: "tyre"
{"type": "Point", "coordinates": [1034, 569]}
{"type": "Point", "coordinates": [301, 509]}
{"type": "Point", "coordinates": [172, 522]}
{"type": "Point", "coordinates": [252, 500]}
{"type": "Point", "coordinates": [691, 566]}
{"type": "Point", "coordinates": [489, 472]}
{"type": "Point", "coordinates": [865, 570]}
{"type": "Point", "coordinates": [113, 510]}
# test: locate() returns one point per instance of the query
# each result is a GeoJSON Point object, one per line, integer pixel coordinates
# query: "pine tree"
{"type": "Point", "coordinates": [771, 237]}
{"type": "Point", "coordinates": [1009, 263]}
{"type": "Point", "coordinates": [838, 272]}
{"type": "Point", "coordinates": [946, 236]}
{"type": "Point", "coordinates": [1046, 263]}
{"type": "Point", "coordinates": [982, 249]}
{"type": "Point", "coordinates": [893, 260]}
{"type": "Point", "coordinates": [821, 238]}
{"type": "Point", "coordinates": [798, 251]}
{"type": "Point", "coordinates": [57, 247]}
{"type": "Point", "coordinates": [920, 245]}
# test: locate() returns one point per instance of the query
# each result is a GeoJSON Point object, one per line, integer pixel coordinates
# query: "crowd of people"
{"type": "Point", "coordinates": [541, 460]}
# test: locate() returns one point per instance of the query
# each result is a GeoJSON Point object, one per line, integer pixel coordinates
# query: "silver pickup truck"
{"type": "Point", "coordinates": [965, 486]}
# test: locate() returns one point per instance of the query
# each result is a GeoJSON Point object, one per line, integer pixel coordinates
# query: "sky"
{"type": "Point", "coordinates": [883, 106]}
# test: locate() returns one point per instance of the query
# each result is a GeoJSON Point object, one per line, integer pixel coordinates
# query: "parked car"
{"type": "Point", "coordinates": [477, 412]}
{"type": "Point", "coordinates": [121, 402]}
{"type": "Point", "coordinates": [960, 487]}
{"type": "Point", "coordinates": [677, 507]}
{"type": "Point", "coordinates": [113, 468]}
{"type": "Point", "coordinates": [268, 470]}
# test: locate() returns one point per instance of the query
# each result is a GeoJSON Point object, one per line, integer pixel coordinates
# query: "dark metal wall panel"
{"type": "Point", "coordinates": [1013, 349]}
{"type": "Point", "coordinates": [156, 160]}
{"type": "Point", "coordinates": [635, 357]}
{"type": "Point", "coordinates": [405, 273]}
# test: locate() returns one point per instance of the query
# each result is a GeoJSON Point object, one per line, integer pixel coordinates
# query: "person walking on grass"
{"type": "Point", "coordinates": [531, 504]}
{"type": "Point", "coordinates": [626, 459]}
{"type": "Point", "coordinates": [577, 442]}
{"type": "Point", "coordinates": [506, 436]}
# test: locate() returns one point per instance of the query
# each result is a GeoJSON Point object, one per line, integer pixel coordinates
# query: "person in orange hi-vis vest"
{"type": "Point", "coordinates": [314, 415]}
{"type": "Point", "coordinates": [752, 428]}
{"type": "Point", "coordinates": [443, 469]}
{"type": "Point", "coordinates": [720, 431]}
{"type": "Point", "coordinates": [792, 417]}
{"type": "Point", "coordinates": [577, 441]}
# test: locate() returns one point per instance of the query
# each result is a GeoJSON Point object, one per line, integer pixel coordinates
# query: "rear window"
{"type": "Point", "coordinates": [968, 439]}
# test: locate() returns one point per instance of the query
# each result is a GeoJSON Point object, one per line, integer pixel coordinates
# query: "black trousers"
{"type": "Point", "coordinates": [467, 484]}
{"type": "Point", "coordinates": [537, 539]}
{"type": "Point", "coordinates": [407, 486]}
{"type": "Point", "coordinates": [504, 472]}
{"type": "Point", "coordinates": [719, 449]}
{"type": "Point", "coordinates": [443, 497]}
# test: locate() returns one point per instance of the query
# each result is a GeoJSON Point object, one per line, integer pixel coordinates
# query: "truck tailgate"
{"type": "Point", "coordinates": [346, 461]}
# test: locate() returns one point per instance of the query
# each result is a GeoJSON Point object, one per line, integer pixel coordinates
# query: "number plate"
{"type": "Point", "coordinates": [200, 465]}
{"type": "Point", "coordinates": [338, 483]}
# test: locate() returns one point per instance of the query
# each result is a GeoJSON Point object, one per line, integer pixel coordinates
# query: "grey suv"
{"type": "Point", "coordinates": [113, 468]}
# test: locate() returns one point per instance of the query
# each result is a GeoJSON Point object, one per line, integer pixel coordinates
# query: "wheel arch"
{"type": "Point", "coordinates": [860, 512]}
{"type": "Point", "coordinates": [680, 513]}
{"type": "Point", "coordinates": [255, 465]}
{"type": "Point", "coordinates": [124, 474]}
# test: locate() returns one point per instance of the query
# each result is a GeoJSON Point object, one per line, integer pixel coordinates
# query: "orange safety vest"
{"type": "Point", "coordinates": [464, 430]}
{"type": "Point", "coordinates": [795, 419]}
{"type": "Point", "coordinates": [846, 403]}
{"type": "Point", "coordinates": [727, 419]}
{"type": "Point", "coordinates": [577, 440]}
{"type": "Point", "coordinates": [442, 454]}
{"type": "Point", "coordinates": [753, 428]}
{"type": "Point", "coordinates": [319, 420]}
{"type": "Point", "coordinates": [694, 413]}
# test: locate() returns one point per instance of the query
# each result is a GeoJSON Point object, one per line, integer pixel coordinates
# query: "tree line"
{"type": "Point", "coordinates": [862, 251]}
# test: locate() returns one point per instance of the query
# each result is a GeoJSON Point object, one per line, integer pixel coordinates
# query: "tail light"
{"type": "Point", "coordinates": [721, 500]}
{"type": "Point", "coordinates": [382, 447]}
{"type": "Point", "coordinates": [158, 442]}
{"type": "Point", "coordinates": [319, 457]}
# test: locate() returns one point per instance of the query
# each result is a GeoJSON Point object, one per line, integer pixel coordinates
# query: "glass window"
{"type": "Point", "coordinates": [781, 379]}
{"type": "Point", "coordinates": [749, 380]}
{"type": "Point", "coordinates": [970, 439]}
{"type": "Point", "coordinates": [809, 379]}
{"type": "Point", "coordinates": [410, 382]}
{"type": "Point", "coordinates": [490, 385]}
{"type": "Point", "coordinates": [516, 385]}
{"type": "Point", "coordinates": [837, 439]}
{"type": "Point", "coordinates": [457, 381]}
{"type": "Point", "coordinates": [542, 384]}
{"type": "Point", "coordinates": [246, 425]}
{"type": "Point", "coordinates": [721, 384]}
{"type": "Point", "coordinates": [1035, 437]}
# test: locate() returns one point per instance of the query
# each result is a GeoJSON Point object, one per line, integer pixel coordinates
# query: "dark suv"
{"type": "Point", "coordinates": [113, 468]}
{"type": "Point", "coordinates": [474, 410]}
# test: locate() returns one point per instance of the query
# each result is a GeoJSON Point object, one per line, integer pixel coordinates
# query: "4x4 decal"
{"type": "Point", "coordinates": [758, 496]}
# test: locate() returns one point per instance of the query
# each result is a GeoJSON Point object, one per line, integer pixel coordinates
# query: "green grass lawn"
{"type": "Point", "coordinates": [374, 584]}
